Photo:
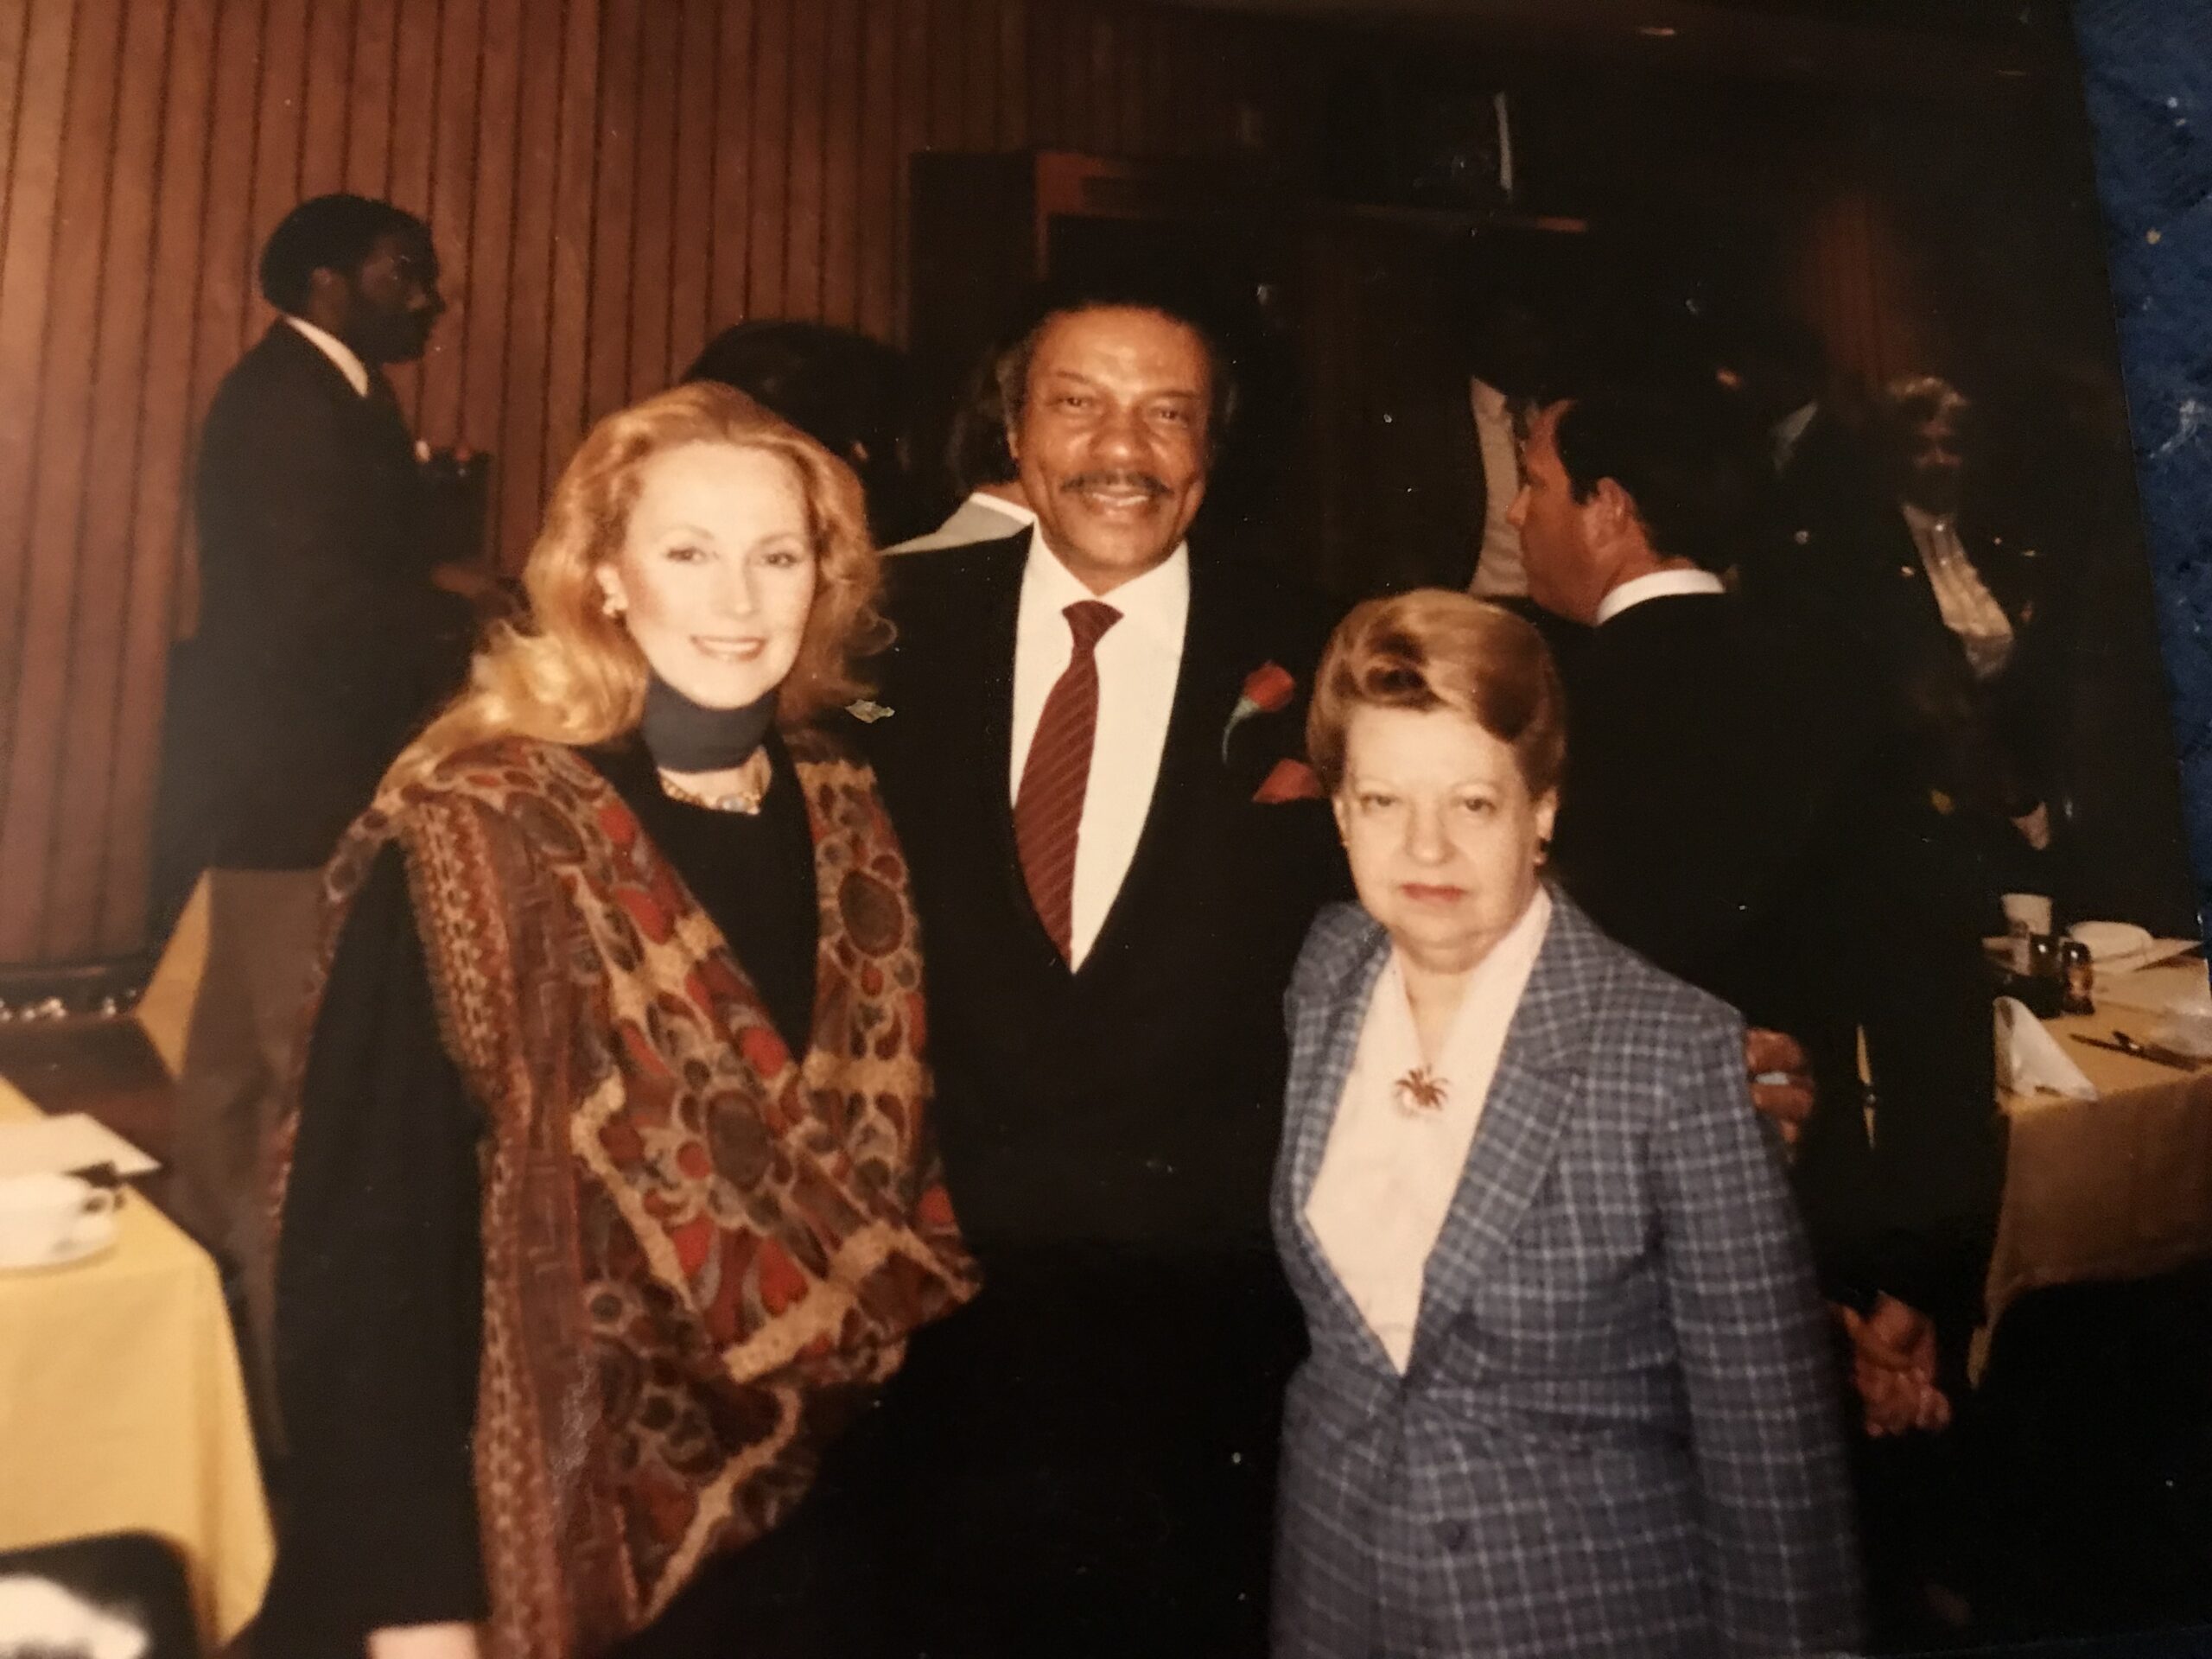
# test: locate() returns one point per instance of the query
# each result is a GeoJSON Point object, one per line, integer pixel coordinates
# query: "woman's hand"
{"type": "Point", "coordinates": [424, 1641]}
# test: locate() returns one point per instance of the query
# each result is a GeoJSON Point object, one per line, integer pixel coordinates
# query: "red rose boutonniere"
{"type": "Point", "coordinates": [1267, 688]}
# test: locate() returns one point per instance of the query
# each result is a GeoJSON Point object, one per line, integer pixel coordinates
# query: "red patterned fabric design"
{"type": "Point", "coordinates": [700, 1252]}
{"type": "Point", "coordinates": [1048, 807]}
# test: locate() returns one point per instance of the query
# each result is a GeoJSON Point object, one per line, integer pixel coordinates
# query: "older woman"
{"type": "Point", "coordinates": [609, 1197]}
{"type": "Point", "coordinates": [1569, 1390]}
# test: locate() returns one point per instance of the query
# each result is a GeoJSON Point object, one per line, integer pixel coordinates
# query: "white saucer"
{"type": "Point", "coordinates": [82, 1246]}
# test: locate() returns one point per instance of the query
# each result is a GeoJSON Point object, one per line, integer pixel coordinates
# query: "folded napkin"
{"type": "Point", "coordinates": [2111, 941]}
{"type": "Point", "coordinates": [2168, 988]}
{"type": "Point", "coordinates": [71, 1141]}
{"type": "Point", "coordinates": [2186, 1031]}
{"type": "Point", "coordinates": [2028, 1058]}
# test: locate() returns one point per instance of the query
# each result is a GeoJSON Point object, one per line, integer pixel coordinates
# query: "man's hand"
{"type": "Point", "coordinates": [1782, 1079]}
{"type": "Point", "coordinates": [1893, 1368]}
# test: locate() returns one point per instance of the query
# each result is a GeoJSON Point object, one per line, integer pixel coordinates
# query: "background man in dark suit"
{"type": "Point", "coordinates": [1089, 757]}
{"type": "Point", "coordinates": [845, 392]}
{"type": "Point", "coordinates": [1812, 468]}
{"type": "Point", "coordinates": [323, 638]}
{"type": "Point", "coordinates": [986, 484]}
{"type": "Point", "coordinates": [1732, 819]}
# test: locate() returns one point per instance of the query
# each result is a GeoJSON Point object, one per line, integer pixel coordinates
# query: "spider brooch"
{"type": "Point", "coordinates": [1421, 1091]}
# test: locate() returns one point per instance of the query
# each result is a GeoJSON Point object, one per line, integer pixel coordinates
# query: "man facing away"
{"type": "Point", "coordinates": [993, 504]}
{"type": "Point", "coordinates": [322, 639]}
{"type": "Point", "coordinates": [1089, 752]}
{"type": "Point", "coordinates": [1731, 818]}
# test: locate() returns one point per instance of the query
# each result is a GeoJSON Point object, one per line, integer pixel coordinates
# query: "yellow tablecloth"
{"type": "Point", "coordinates": [2111, 1188]}
{"type": "Point", "coordinates": [121, 1409]}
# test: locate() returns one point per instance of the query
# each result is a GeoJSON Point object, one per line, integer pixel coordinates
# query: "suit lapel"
{"type": "Point", "coordinates": [375, 417]}
{"type": "Point", "coordinates": [1206, 682]}
{"type": "Point", "coordinates": [1534, 1091]}
{"type": "Point", "coordinates": [990, 717]}
{"type": "Point", "coordinates": [1330, 1027]}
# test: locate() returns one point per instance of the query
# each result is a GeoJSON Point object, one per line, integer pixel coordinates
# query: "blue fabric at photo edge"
{"type": "Point", "coordinates": [2150, 100]}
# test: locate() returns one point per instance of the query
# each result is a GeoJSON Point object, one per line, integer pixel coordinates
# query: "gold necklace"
{"type": "Point", "coordinates": [745, 796]}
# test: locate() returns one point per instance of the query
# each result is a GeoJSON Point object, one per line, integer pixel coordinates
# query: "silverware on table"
{"type": "Point", "coordinates": [2121, 1043]}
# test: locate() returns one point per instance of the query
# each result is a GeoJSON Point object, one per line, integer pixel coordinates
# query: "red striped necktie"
{"type": "Point", "coordinates": [1048, 807]}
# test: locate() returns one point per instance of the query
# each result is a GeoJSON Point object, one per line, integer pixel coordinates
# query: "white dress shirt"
{"type": "Point", "coordinates": [1969, 609]}
{"type": "Point", "coordinates": [1139, 659]}
{"type": "Point", "coordinates": [1789, 432]}
{"type": "Point", "coordinates": [982, 518]}
{"type": "Point", "coordinates": [1020, 512]}
{"type": "Point", "coordinates": [349, 365]}
{"type": "Point", "coordinates": [1499, 570]}
{"type": "Point", "coordinates": [1388, 1174]}
{"type": "Point", "coordinates": [1660, 584]}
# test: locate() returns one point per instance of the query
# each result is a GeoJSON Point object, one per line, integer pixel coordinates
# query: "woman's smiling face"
{"type": "Point", "coordinates": [716, 576]}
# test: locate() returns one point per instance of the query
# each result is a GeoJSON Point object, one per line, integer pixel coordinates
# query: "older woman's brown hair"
{"type": "Point", "coordinates": [568, 673]}
{"type": "Point", "coordinates": [1436, 649]}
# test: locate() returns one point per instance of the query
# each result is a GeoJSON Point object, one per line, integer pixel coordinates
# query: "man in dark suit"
{"type": "Point", "coordinates": [1089, 753]}
{"type": "Point", "coordinates": [322, 641]}
{"type": "Point", "coordinates": [1736, 821]}
{"type": "Point", "coordinates": [1814, 488]}
{"type": "Point", "coordinates": [845, 392]}
{"type": "Point", "coordinates": [980, 468]}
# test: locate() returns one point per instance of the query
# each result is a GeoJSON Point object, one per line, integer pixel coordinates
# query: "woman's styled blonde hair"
{"type": "Point", "coordinates": [1434, 648]}
{"type": "Point", "coordinates": [568, 673]}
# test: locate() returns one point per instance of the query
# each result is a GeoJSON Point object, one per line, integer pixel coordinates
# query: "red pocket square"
{"type": "Point", "coordinates": [1291, 781]}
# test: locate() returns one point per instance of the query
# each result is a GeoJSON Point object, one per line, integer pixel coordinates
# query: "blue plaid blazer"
{"type": "Point", "coordinates": [1620, 1430]}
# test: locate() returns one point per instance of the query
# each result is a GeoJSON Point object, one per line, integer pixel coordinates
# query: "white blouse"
{"type": "Point", "coordinates": [1969, 608]}
{"type": "Point", "coordinates": [1400, 1138]}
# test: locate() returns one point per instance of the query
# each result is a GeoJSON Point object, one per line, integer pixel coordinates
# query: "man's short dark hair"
{"type": "Point", "coordinates": [1666, 450]}
{"type": "Point", "coordinates": [1172, 302]}
{"type": "Point", "coordinates": [1779, 341]}
{"type": "Point", "coordinates": [838, 387]}
{"type": "Point", "coordinates": [975, 449]}
{"type": "Point", "coordinates": [334, 232]}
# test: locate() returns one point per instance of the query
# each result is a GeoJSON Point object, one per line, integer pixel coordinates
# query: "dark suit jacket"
{"type": "Point", "coordinates": [322, 642]}
{"type": "Point", "coordinates": [1730, 816]}
{"type": "Point", "coordinates": [1087, 1448]}
{"type": "Point", "coordinates": [1807, 553]}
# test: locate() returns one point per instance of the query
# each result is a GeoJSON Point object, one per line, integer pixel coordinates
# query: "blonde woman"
{"type": "Point", "coordinates": [608, 1197]}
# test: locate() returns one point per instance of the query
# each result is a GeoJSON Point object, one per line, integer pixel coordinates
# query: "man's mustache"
{"type": "Point", "coordinates": [1147, 482]}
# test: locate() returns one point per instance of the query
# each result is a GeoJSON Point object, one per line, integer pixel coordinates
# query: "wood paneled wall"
{"type": "Point", "coordinates": [609, 181]}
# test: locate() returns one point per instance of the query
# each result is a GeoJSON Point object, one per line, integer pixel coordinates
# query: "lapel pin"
{"type": "Point", "coordinates": [1420, 1092]}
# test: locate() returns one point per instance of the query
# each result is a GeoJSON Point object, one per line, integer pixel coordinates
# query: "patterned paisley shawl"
{"type": "Point", "coordinates": [700, 1253]}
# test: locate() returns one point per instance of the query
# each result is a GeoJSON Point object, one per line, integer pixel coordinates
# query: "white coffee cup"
{"type": "Point", "coordinates": [44, 1217]}
{"type": "Point", "coordinates": [2027, 916]}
